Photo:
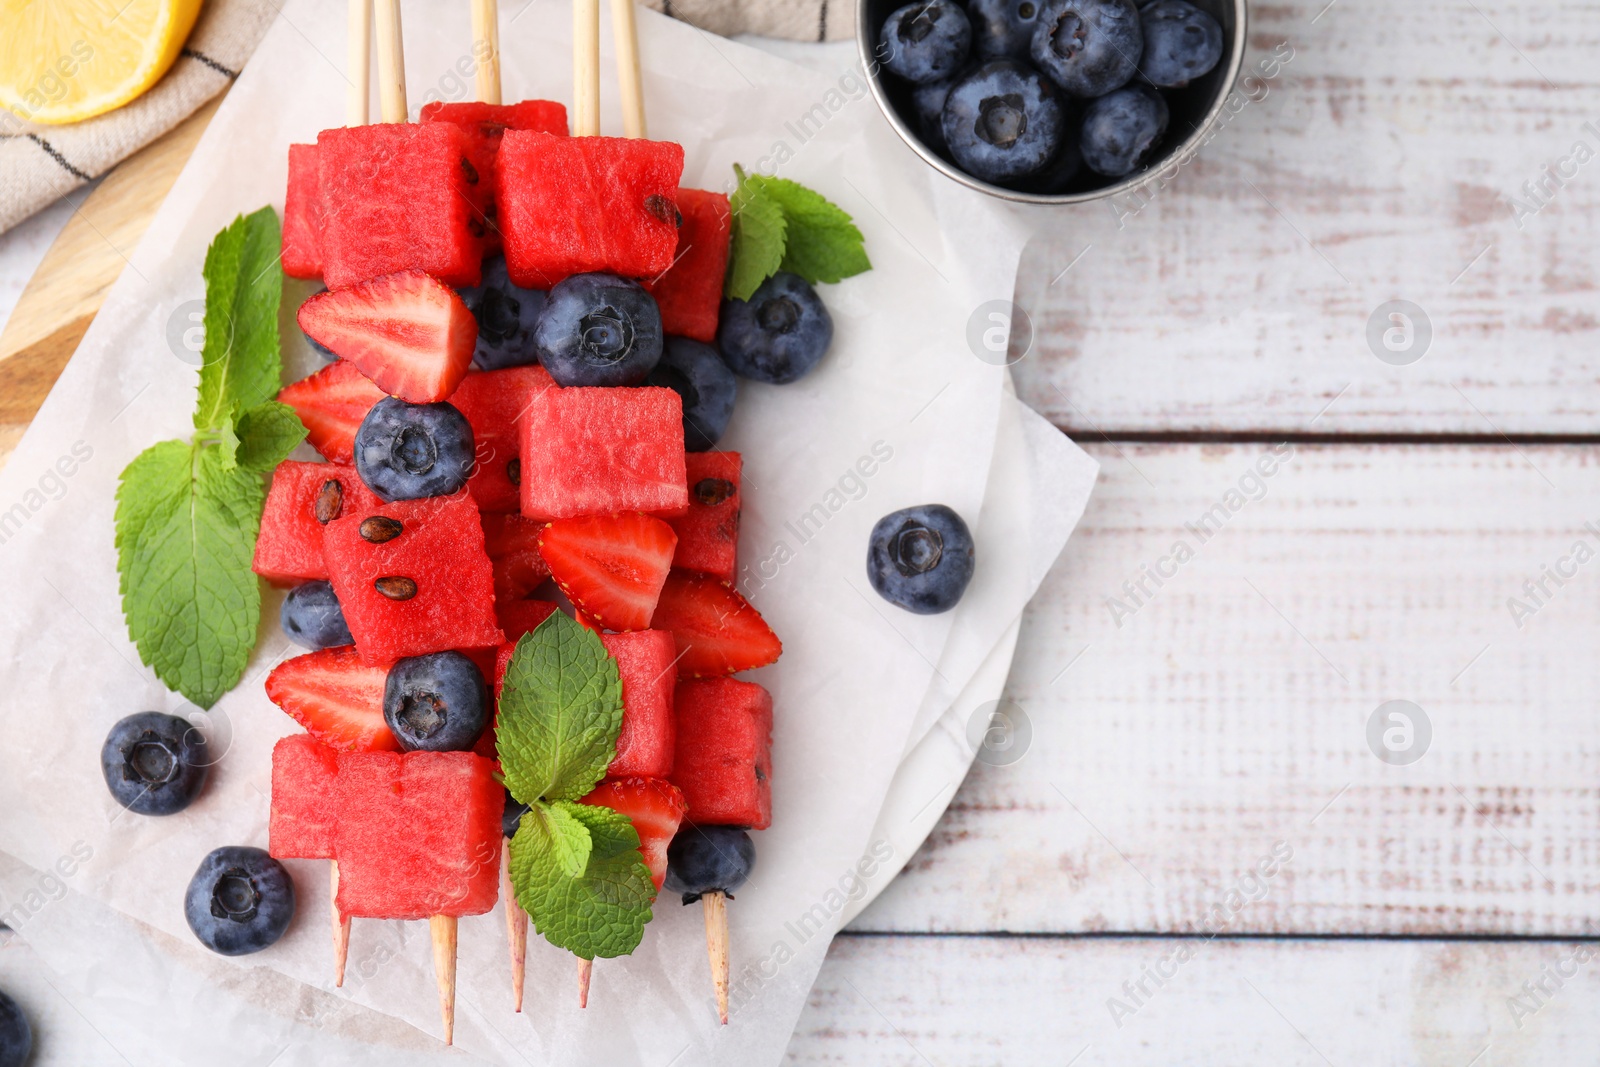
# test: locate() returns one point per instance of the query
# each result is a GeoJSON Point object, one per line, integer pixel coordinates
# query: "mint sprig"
{"type": "Point", "coordinates": [188, 511]}
{"type": "Point", "coordinates": [779, 224]}
{"type": "Point", "coordinates": [575, 868]}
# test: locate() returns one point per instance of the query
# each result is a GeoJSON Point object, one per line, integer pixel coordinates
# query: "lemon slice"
{"type": "Point", "coordinates": [68, 60]}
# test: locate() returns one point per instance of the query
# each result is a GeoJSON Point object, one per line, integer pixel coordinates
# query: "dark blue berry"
{"type": "Point", "coordinates": [16, 1036]}
{"type": "Point", "coordinates": [1003, 29]}
{"type": "Point", "coordinates": [1003, 121]}
{"type": "Point", "coordinates": [154, 764]}
{"type": "Point", "coordinates": [927, 101]}
{"type": "Point", "coordinates": [706, 859]}
{"type": "Point", "coordinates": [599, 329]}
{"type": "Point", "coordinates": [512, 817]}
{"type": "Point", "coordinates": [777, 335]}
{"type": "Point", "coordinates": [1055, 176]}
{"type": "Point", "coordinates": [1088, 47]}
{"type": "Point", "coordinates": [1181, 43]}
{"type": "Point", "coordinates": [240, 901]}
{"type": "Point", "coordinates": [926, 41]}
{"type": "Point", "coordinates": [407, 451]}
{"type": "Point", "coordinates": [921, 558]}
{"type": "Point", "coordinates": [506, 315]}
{"type": "Point", "coordinates": [1120, 131]}
{"type": "Point", "coordinates": [697, 374]}
{"type": "Point", "coordinates": [436, 703]}
{"type": "Point", "coordinates": [311, 617]}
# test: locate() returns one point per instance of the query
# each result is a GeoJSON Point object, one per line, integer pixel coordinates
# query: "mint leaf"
{"type": "Point", "coordinates": [601, 912]}
{"type": "Point", "coordinates": [560, 712]}
{"type": "Point", "coordinates": [569, 835]}
{"type": "Point", "coordinates": [758, 239]}
{"type": "Point", "coordinates": [266, 434]}
{"type": "Point", "coordinates": [186, 530]}
{"type": "Point", "coordinates": [823, 244]}
{"type": "Point", "coordinates": [241, 365]}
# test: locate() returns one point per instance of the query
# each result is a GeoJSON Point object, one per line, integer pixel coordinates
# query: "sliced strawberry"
{"type": "Point", "coordinates": [610, 566]}
{"type": "Point", "coordinates": [655, 807]}
{"type": "Point", "coordinates": [407, 331]}
{"type": "Point", "coordinates": [717, 630]}
{"type": "Point", "coordinates": [512, 543]}
{"type": "Point", "coordinates": [332, 403]}
{"type": "Point", "coordinates": [337, 698]}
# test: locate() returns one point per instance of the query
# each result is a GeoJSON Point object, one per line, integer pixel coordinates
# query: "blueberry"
{"type": "Point", "coordinates": [1088, 47]}
{"type": "Point", "coordinates": [925, 41]}
{"type": "Point", "coordinates": [154, 764]}
{"type": "Point", "coordinates": [506, 315]}
{"type": "Point", "coordinates": [406, 451]}
{"type": "Point", "coordinates": [311, 617]}
{"type": "Point", "coordinates": [1121, 130]}
{"type": "Point", "coordinates": [512, 817]}
{"type": "Point", "coordinates": [1003, 29]}
{"type": "Point", "coordinates": [1003, 121]}
{"type": "Point", "coordinates": [436, 703]}
{"type": "Point", "coordinates": [1181, 43]}
{"type": "Point", "coordinates": [777, 335]}
{"type": "Point", "coordinates": [705, 859]}
{"type": "Point", "coordinates": [697, 374]}
{"type": "Point", "coordinates": [928, 103]}
{"type": "Point", "coordinates": [1056, 175]}
{"type": "Point", "coordinates": [240, 901]}
{"type": "Point", "coordinates": [921, 558]}
{"type": "Point", "coordinates": [16, 1036]}
{"type": "Point", "coordinates": [599, 329]}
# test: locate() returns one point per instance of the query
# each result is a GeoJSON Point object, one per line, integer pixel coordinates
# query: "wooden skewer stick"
{"type": "Point", "coordinates": [585, 973]}
{"type": "Point", "coordinates": [625, 28]}
{"type": "Point", "coordinates": [716, 909]}
{"type": "Point", "coordinates": [359, 57]}
{"type": "Point", "coordinates": [585, 68]}
{"type": "Point", "coordinates": [486, 47]}
{"type": "Point", "coordinates": [516, 928]}
{"type": "Point", "coordinates": [391, 61]}
{"type": "Point", "coordinates": [341, 927]}
{"type": "Point", "coordinates": [443, 930]}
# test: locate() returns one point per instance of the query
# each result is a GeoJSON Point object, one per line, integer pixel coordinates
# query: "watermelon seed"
{"type": "Point", "coordinates": [712, 491]}
{"type": "Point", "coordinates": [379, 528]}
{"type": "Point", "coordinates": [395, 587]}
{"type": "Point", "coordinates": [514, 471]}
{"type": "Point", "coordinates": [329, 501]}
{"type": "Point", "coordinates": [469, 170]}
{"type": "Point", "coordinates": [659, 206]}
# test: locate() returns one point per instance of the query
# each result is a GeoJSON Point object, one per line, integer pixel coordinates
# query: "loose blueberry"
{"type": "Point", "coordinates": [697, 374]}
{"type": "Point", "coordinates": [1003, 29]}
{"type": "Point", "coordinates": [599, 329]}
{"type": "Point", "coordinates": [406, 451]}
{"type": "Point", "coordinates": [506, 314]}
{"type": "Point", "coordinates": [436, 703]}
{"type": "Point", "coordinates": [779, 334]}
{"type": "Point", "coordinates": [921, 558]}
{"type": "Point", "coordinates": [1181, 43]}
{"type": "Point", "coordinates": [16, 1036]}
{"type": "Point", "coordinates": [154, 764]}
{"type": "Point", "coordinates": [926, 41]}
{"type": "Point", "coordinates": [1120, 131]}
{"type": "Point", "coordinates": [311, 617]}
{"type": "Point", "coordinates": [240, 901]}
{"type": "Point", "coordinates": [928, 103]}
{"type": "Point", "coordinates": [705, 859]}
{"type": "Point", "coordinates": [1003, 121]}
{"type": "Point", "coordinates": [1088, 47]}
{"type": "Point", "coordinates": [512, 816]}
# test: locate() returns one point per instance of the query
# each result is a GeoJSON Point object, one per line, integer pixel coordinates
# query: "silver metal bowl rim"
{"type": "Point", "coordinates": [866, 43]}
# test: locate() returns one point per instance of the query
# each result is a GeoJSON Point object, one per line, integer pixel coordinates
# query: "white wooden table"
{"type": "Point", "coordinates": [1189, 731]}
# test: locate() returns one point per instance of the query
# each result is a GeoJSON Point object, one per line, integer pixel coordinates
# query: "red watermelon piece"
{"type": "Point", "coordinates": [590, 451]}
{"type": "Point", "coordinates": [513, 546]}
{"type": "Point", "coordinates": [304, 497]}
{"type": "Point", "coordinates": [303, 819]}
{"type": "Point", "coordinates": [331, 403]}
{"type": "Point", "coordinates": [427, 588]}
{"type": "Point", "coordinates": [494, 402]}
{"type": "Point", "coordinates": [302, 215]}
{"type": "Point", "coordinates": [708, 533]}
{"type": "Point", "coordinates": [610, 566]}
{"type": "Point", "coordinates": [690, 292]}
{"type": "Point", "coordinates": [724, 756]}
{"type": "Point", "coordinates": [336, 697]}
{"type": "Point", "coordinates": [647, 664]}
{"type": "Point", "coordinates": [484, 126]}
{"type": "Point", "coordinates": [655, 807]}
{"type": "Point", "coordinates": [569, 205]}
{"type": "Point", "coordinates": [518, 617]}
{"type": "Point", "coordinates": [717, 630]}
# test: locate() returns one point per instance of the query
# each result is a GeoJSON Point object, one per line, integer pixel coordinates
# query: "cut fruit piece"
{"type": "Point", "coordinates": [588, 451]}
{"type": "Point", "coordinates": [655, 807]}
{"type": "Point", "coordinates": [647, 665]}
{"type": "Point", "coordinates": [512, 543]}
{"type": "Point", "coordinates": [407, 331]}
{"type": "Point", "coordinates": [303, 499]}
{"type": "Point", "coordinates": [302, 215]}
{"type": "Point", "coordinates": [724, 760]}
{"type": "Point", "coordinates": [494, 403]}
{"type": "Point", "coordinates": [690, 292]}
{"type": "Point", "coordinates": [484, 125]}
{"type": "Point", "coordinates": [518, 617]}
{"type": "Point", "coordinates": [336, 697]}
{"type": "Point", "coordinates": [303, 817]}
{"type": "Point", "coordinates": [717, 630]}
{"type": "Point", "coordinates": [331, 404]}
{"type": "Point", "coordinates": [708, 534]}
{"type": "Point", "coordinates": [610, 566]}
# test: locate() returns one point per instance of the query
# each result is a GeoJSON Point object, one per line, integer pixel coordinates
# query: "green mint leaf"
{"type": "Point", "coordinates": [822, 243]}
{"type": "Point", "coordinates": [560, 712]}
{"type": "Point", "coordinates": [266, 434]}
{"type": "Point", "coordinates": [601, 912]}
{"type": "Point", "coordinates": [758, 239]}
{"type": "Point", "coordinates": [241, 365]}
{"type": "Point", "coordinates": [569, 835]}
{"type": "Point", "coordinates": [186, 530]}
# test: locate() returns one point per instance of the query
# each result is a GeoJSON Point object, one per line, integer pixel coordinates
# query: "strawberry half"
{"type": "Point", "coordinates": [610, 566]}
{"type": "Point", "coordinates": [407, 331]}
{"type": "Point", "coordinates": [336, 697]}
{"type": "Point", "coordinates": [331, 403]}
{"type": "Point", "coordinates": [655, 808]}
{"type": "Point", "coordinates": [717, 630]}
{"type": "Point", "coordinates": [512, 543]}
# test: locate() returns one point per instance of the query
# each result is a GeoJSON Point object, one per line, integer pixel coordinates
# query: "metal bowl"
{"type": "Point", "coordinates": [1197, 107]}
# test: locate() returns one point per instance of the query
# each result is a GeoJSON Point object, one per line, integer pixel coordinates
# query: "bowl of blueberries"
{"type": "Point", "coordinates": [1052, 101]}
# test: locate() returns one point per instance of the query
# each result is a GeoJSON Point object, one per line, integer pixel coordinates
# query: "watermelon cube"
{"type": "Point", "coordinates": [493, 403]}
{"type": "Point", "coordinates": [570, 205]}
{"type": "Point", "coordinates": [723, 761]}
{"type": "Point", "coordinates": [518, 617]}
{"type": "Point", "coordinates": [484, 126]}
{"type": "Point", "coordinates": [646, 664]}
{"type": "Point", "coordinates": [302, 215]}
{"type": "Point", "coordinates": [512, 542]}
{"type": "Point", "coordinates": [413, 577]}
{"type": "Point", "coordinates": [331, 403]}
{"type": "Point", "coordinates": [304, 816]}
{"type": "Point", "coordinates": [690, 292]}
{"type": "Point", "coordinates": [303, 499]}
{"type": "Point", "coordinates": [398, 196]}
{"type": "Point", "coordinates": [418, 834]}
{"type": "Point", "coordinates": [590, 451]}
{"type": "Point", "coordinates": [708, 533]}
